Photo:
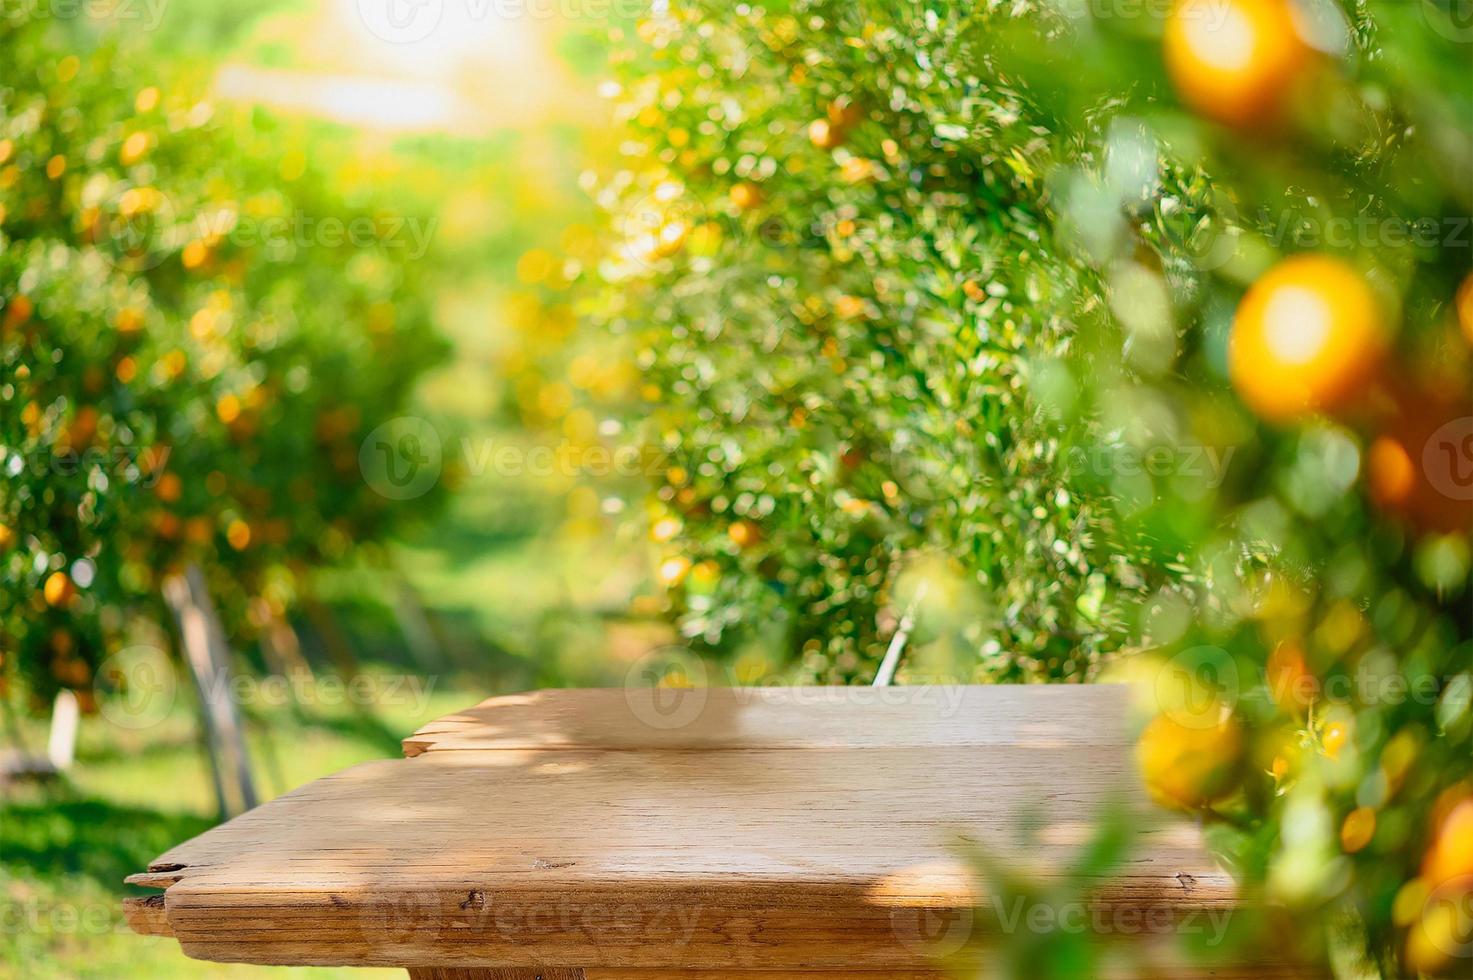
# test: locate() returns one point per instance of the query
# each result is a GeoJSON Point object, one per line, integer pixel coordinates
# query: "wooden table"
{"type": "Point", "coordinates": [640, 834]}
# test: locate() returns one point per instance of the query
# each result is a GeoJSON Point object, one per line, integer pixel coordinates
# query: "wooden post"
{"type": "Point", "coordinates": [203, 641]}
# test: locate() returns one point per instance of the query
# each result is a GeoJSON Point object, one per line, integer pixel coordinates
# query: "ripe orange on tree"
{"type": "Point", "coordinates": [169, 488]}
{"type": "Point", "coordinates": [58, 589]}
{"type": "Point", "coordinates": [746, 195]}
{"type": "Point", "coordinates": [1419, 468]}
{"type": "Point", "coordinates": [1290, 681]}
{"type": "Point", "coordinates": [1464, 304]}
{"type": "Point", "coordinates": [824, 135]}
{"type": "Point", "coordinates": [1449, 860]}
{"type": "Point", "coordinates": [1307, 337]}
{"type": "Point", "coordinates": [129, 321]}
{"type": "Point", "coordinates": [1189, 764]}
{"type": "Point", "coordinates": [18, 310]}
{"type": "Point", "coordinates": [1444, 888]}
{"type": "Point", "coordinates": [1235, 61]}
{"type": "Point", "coordinates": [743, 533]}
{"type": "Point", "coordinates": [842, 115]}
{"type": "Point", "coordinates": [1334, 737]}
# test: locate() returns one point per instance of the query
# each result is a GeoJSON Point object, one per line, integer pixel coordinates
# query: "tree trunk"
{"type": "Point", "coordinates": [203, 642]}
{"type": "Point", "coordinates": [61, 747]}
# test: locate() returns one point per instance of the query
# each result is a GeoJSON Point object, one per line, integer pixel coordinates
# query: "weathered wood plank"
{"type": "Point", "coordinates": [1175, 972]}
{"type": "Point", "coordinates": [784, 718]}
{"type": "Point", "coordinates": [436, 973]}
{"type": "Point", "coordinates": [145, 915]}
{"type": "Point", "coordinates": [570, 830]}
{"type": "Point", "coordinates": [1119, 973]}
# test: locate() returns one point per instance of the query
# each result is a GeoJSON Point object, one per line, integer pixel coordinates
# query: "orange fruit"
{"type": "Point", "coordinates": [844, 113]}
{"type": "Point", "coordinates": [1234, 61]}
{"type": "Point", "coordinates": [664, 529]}
{"type": "Point", "coordinates": [1290, 681]}
{"type": "Point", "coordinates": [1390, 472]}
{"type": "Point", "coordinates": [1307, 337]}
{"type": "Point", "coordinates": [194, 254]}
{"type": "Point", "coordinates": [7, 537]}
{"type": "Point", "coordinates": [58, 589]}
{"type": "Point", "coordinates": [18, 310]}
{"type": "Point", "coordinates": [849, 307]}
{"type": "Point", "coordinates": [746, 195]}
{"type": "Point", "coordinates": [83, 428]}
{"type": "Point", "coordinates": [744, 533]}
{"type": "Point", "coordinates": [1432, 940]}
{"type": "Point", "coordinates": [129, 320]}
{"type": "Point", "coordinates": [1419, 468]}
{"type": "Point", "coordinates": [169, 488]}
{"type": "Point", "coordinates": [672, 571]}
{"type": "Point", "coordinates": [1334, 737]}
{"type": "Point", "coordinates": [1465, 308]}
{"type": "Point", "coordinates": [238, 533]}
{"type": "Point", "coordinates": [1189, 766]}
{"type": "Point", "coordinates": [199, 530]}
{"type": "Point", "coordinates": [825, 135]}
{"type": "Point", "coordinates": [135, 147]}
{"type": "Point", "coordinates": [166, 524]}
{"type": "Point", "coordinates": [1450, 858]}
{"type": "Point", "coordinates": [1357, 829]}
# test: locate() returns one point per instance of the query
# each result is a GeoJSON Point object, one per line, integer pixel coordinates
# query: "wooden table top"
{"type": "Point", "coordinates": [720, 829]}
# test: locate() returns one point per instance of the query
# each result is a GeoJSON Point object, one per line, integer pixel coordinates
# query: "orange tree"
{"type": "Point", "coordinates": [835, 311]}
{"type": "Point", "coordinates": [1146, 326]}
{"type": "Point", "coordinates": [197, 331]}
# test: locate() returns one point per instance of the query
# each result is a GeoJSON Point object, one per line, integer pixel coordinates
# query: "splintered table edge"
{"type": "Point", "coordinates": [146, 915]}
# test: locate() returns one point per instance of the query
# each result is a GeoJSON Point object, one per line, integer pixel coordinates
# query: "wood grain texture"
{"type": "Point", "coordinates": [1172, 972]}
{"type": "Point", "coordinates": [531, 973]}
{"type": "Point", "coordinates": [145, 915]}
{"type": "Point", "coordinates": [566, 829]}
{"type": "Point", "coordinates": [784, 718]}
{"type": "Point", "coordinates": [1168, 971]}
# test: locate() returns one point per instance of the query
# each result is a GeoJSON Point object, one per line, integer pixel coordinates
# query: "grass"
{"type": "Point", "coordinates": [65, 847]}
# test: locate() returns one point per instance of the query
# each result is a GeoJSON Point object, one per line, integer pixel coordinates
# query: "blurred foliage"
{"type": "Point", "coordinates": [997, 315]}
{"type": "Point", "coordinates": [835, 318]}
{"type": "Point", "coordinates": [201, 323]}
